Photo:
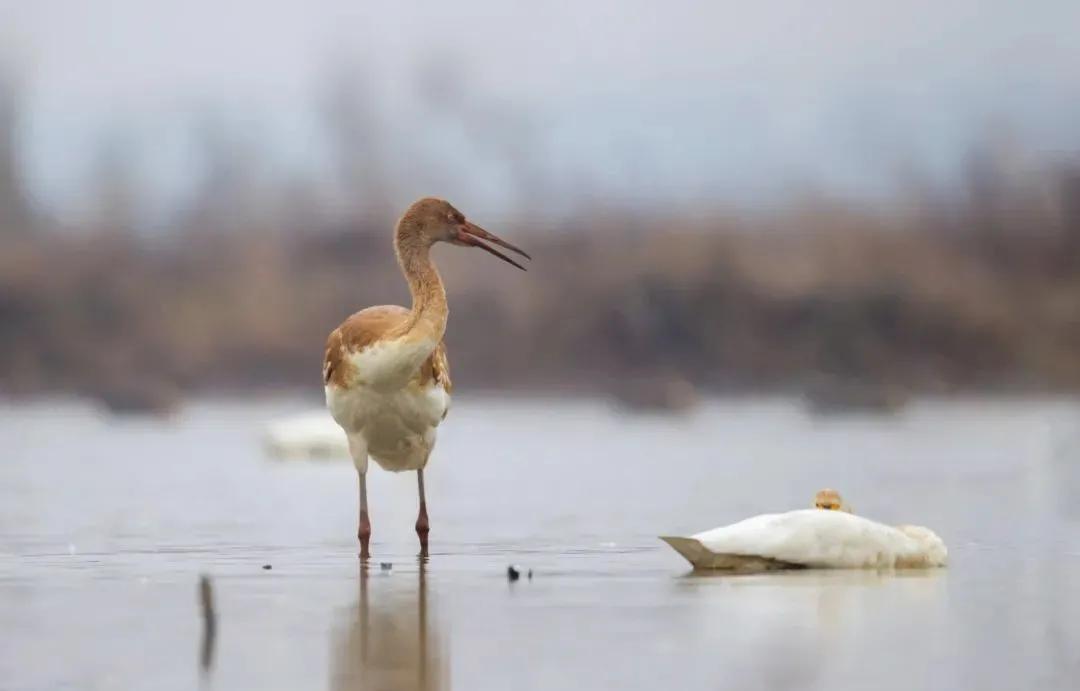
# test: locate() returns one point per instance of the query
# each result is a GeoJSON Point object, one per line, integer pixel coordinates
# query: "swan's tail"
{"type": "Point", "coordinates": [702, 558]}
{"type": "Point", "coordinates": [692, 550]}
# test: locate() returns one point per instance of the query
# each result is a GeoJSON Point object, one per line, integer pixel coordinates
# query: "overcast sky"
{"type": "Point", "coordinates": [669, 100]}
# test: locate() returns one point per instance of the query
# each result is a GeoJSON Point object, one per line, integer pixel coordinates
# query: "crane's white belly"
{"type": "Point", "coordinates": [397, 427]}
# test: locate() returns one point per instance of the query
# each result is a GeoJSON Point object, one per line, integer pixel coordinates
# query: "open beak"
{"type": "Point", "coordinates": [473, 235]}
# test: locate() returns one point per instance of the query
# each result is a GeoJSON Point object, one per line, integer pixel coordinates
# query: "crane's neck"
{"type": "Point", "coordinates": [427, 318]}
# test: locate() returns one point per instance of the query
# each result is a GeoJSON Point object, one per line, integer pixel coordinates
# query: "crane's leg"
{"type": "Point", "coordinates": [358, 451]}
{"type": "Point", "coordinates": [363, 532]}
{"type": "Point", "coordinates": [422, 527]}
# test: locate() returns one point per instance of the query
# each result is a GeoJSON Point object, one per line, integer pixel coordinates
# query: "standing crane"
{"type": "Point", "coordinates": [385, 369]}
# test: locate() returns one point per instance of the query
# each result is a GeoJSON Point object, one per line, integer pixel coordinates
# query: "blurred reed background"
{"type": "Point", "coordinates": [844, 197]}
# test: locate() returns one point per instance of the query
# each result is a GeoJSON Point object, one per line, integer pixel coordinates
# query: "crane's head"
{"type": "Point", "coordinates": [431, 220]}
{"type": "Point", "coordinates": [830, 500]}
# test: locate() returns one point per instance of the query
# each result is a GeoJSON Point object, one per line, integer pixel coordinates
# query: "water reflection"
{"type": "Point", "coordinates": [388, 641]}
{"type": "Point", "coordinates": [795, 629]}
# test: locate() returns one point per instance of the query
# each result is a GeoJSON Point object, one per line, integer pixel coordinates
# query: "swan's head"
{"type": "Point", "coordinates": [932, 551]}
{"type": "Point", "coordinates": [830, 500]}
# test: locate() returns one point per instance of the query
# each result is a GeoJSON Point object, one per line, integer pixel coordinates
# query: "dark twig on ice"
{"type": "Point", "coordinates": [209, 617]}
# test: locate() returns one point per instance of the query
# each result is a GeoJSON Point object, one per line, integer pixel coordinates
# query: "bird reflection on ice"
{"type": "Point", "coordinates": [798, 627]}
{"type": "Point", "coordinates": [388, 640]}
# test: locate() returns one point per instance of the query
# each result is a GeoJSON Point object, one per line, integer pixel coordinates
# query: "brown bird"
{"type": "Point", "coordinates": [385, 369]}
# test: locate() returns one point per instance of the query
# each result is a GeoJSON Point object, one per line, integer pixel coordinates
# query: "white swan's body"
{"type": "Point", "coordinates": [307, 435]}
{"type": "Point", "coordinates": [812, 538]}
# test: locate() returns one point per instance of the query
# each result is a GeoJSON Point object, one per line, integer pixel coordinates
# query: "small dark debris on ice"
{"type": "Point", "coordinates": [385, 565]}
{"type": "Point", "coordinates": [209, 620]}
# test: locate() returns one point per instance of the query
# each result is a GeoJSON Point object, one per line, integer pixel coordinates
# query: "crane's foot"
{"type": "Point", "coordinates": [364, 535]}
{"type": "Point", "coordinates": [422, 529]}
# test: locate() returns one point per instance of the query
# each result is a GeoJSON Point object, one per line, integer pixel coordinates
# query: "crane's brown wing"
{"type": "Point", "coordinates": [364, 328]}
{"type": "Point", "coordinates": [440, 368]}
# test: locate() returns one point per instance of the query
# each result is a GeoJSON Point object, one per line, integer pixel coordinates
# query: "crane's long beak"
{"type": "Point", "coordinates": [472, 235]}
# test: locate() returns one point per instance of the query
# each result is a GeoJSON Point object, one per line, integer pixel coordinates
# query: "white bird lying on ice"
{"type": "Point", "coordinates": [826, 536]}
{"type": "Point", "coordinates": [312, 435]}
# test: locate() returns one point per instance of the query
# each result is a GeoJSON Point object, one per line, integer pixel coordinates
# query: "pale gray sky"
{"type": "Point", "coordinates": [667, 100]}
